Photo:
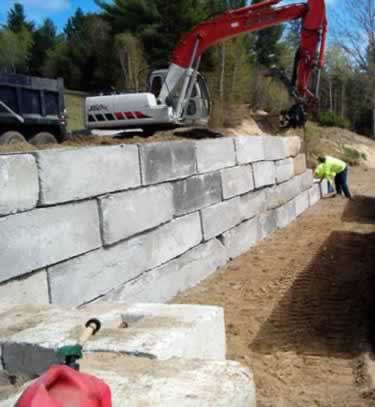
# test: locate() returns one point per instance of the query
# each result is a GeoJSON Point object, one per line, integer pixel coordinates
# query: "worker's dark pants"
{"type": "Point", "coordinates": [341, 182]}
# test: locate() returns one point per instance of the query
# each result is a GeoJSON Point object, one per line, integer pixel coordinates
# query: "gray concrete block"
{"type": "Point", "coordinates": [249, 149]}
{"type": "Point", "coordinates": [98, 272]}
{"type": "Point", "coordinates": [221, 217]}
{"type": "Point", "coordinates": [196, 193]}
{"type": "Point", "coordinates": [253, 204]}
{"type": "Point", "coordinates": [74, 174]}
{"type": "Point", "coordinates": [302, 202]}
{"type": "Point", "coordinates": [165, 282]}
{"type": "Point", "coordinates": [323, 188]}
{"type": "Point", "coordinates": [237, 181]}
{"type": "Point", "coordinates": [299, 164]}
{"type": "Point", "coordinates": [282, 193]}
{"type": "Point", "coordinates": [129, 213]}
{"type": "Point", "coordinates": [215, 154]}
{"type": "Point", "coordinates": [284, 170]}
{"type": "Point", "coordinates": [267, 223]}
{"type": "Point", "coordinates": [32, 240]}
{"type": "Point", "coordinates": [286, 214]}
{"type": "Point", "coordinates": [241, 238]}
{"type": "Point", "coordinates": [167, 161]}
{"type": "Point", "coordinates": [294, 145]}
{"type": "Point", "coordinates": [32, 289]}
{"type": "Point", "coordinates": [314, 195]}
{"type": "Point", "coordinates": [275, 148]}
{"type": "Point", "coordinates": [264, 173]}
{"type": "Point", "coordinates": [306, 180]}
{"type": "Point", "coordinates": [19, 185]}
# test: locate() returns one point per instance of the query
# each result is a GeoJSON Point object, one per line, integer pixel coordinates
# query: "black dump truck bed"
{"type": "Point", "coordinates": [31, 106]}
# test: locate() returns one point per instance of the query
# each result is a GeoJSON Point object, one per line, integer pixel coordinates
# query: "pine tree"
{"type": "Point", "coordinates": [16, 19]}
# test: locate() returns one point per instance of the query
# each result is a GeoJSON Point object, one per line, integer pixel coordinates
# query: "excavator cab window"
{"type": "Point", "coordinates": [156, 85]}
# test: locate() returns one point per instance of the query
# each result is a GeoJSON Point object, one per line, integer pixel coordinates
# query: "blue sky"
{"type": "Point", "coordinates": [60, 10]}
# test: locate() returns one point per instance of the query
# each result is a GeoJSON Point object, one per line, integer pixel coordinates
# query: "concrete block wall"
{"type": "Point", "coordinates": [141, 222]}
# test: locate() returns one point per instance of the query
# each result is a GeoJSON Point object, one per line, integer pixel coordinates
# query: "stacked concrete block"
{"type": "Point", "coordinates": [299, 164]}
{"type": "Point", "coordinates": [294, 146]}
{"type": "Point", "coordinates": [314, 194]}
{"type": "Point", "coordinates": [249, 149]}
{"type": "Point", "coordinates": [275, 148]}
{"type": "Point", "coordinates": [19, 188]}
{"type": "Point", "coordinates": [237, 181]}
{"type": "Point", "coordinates": [241, 238]}
{"type": "Point", "coordinates": [74, 174]}
{"type": "Point", "coordinates": [167, 161]}
{"type": "Point", "coordinates": [33, 240]}
{"type": "Point", "coordinates": [129, 213]}
{"type": "Point", "coordinates": [264, 174]}
{"type": "Point", "coordinates": [306, 180]}
{"type": "Point", "coordinates": [302, 202]}
{"type": "Point", "coordinates": [286, 214]}
{"type": "Point", "coordinates": [253, 204]}
{"type": "Point", "coordinates": [282, 193]}
{"type": "Point", "coordinates": [284, 170]}
{"type": "Point", "coordinates": [267, 224]}
{"type": "Point", "coordinates": [215, 154]}
{"type": "Point", "coordinates": [196, 192]}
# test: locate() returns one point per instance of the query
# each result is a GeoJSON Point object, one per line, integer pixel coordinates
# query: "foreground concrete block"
{"type": "Point", "coordinates": [237, 181]}
{"type": "Point", "coordinates": [294, 145]}
{"type": "Point", "coordinates": [264, 174]}
{"type": "Point", "coordinates": [73, 174]}
{"type": "Point", "coordinates": [98, 272]}
{"type": "Point", "coordinates": [286, 214]}
{"type": "Point", "coordinates": [154, 383]}
{"type": "Point", "coordinates": [241, 238]}
{"type": "Point", "coordinates": [167, 161]}
{"type": "Point", "coordinates": [314, 195]}
{"type": "Point", "coordinates": [323, 188]}
{"type": "Point", "coordinates": [306, 180]}
{"type": "Point", "coordinates": [275, 148]}
{"type": "Point", "coordinates": [267, 223]}
{"type": "Point", "coordinates": [129, 213]}
{"type": "Point", "coordinates": [32, 289]}
{"type": "Point", "coordinates": [32, 240]}
{"type": "Point", "coordinates": [165, 282]}
{"type": "Point", "coordinates": [221, 217]}
{"type": "Point", "coordinates": [253, 204]}
{"type": "Point", "coordinates": [282, 193]}
{"type": "Point", "coordinates": [249, 149]}
{"type": "Point", "coordinates": [196, 193]}
{"type": "Point", "coordinates": [215, 154]}
{"type": "Point", "coordinates": [284, 170]}
{"type": "Point", "coordinates": [302, 202]}
{"type": "Point", "coordinates": [19, 187]}
{"type": "Point", "coordinates": [154, 331]}
{"type": "Point", "coordinates": [299, 164]}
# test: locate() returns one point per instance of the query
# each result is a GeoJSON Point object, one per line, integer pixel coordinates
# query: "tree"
{"type": "Point", "coordinates": [16, 19]}
{"type": "Point", "coordinates": [15, 50]}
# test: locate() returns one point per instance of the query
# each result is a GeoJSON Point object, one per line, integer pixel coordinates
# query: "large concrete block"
{"type": "Point", "coordinates": [267, 223]}
{"type": "Point", "coordinates": [323, 188]}
{"type": "Point", "coordinates": [284, 170]}
{"type": "Point", "coordinates": [19, 186]}
{"type": "Point", "coordinates": [215, 154]}
{"type": "Point", "coordinates": [32, 240]}
{"type": "Point", "coordinates": [32, 289]}
{"type": "Point", "coordinates": [302, 202]}
{"type": "Point", "coordinates": [275, 148]}
{"type": "Point", "coordinates": [294, 145]}
{"type": "Point", "coordinates": [249, 149]}
{"type": "Point", "coordinates": [314, 194]}
{"type": "Point", "coordinates": [253, 204]}
{"type": "Point", "coordinates": [197, 192]}
{"type": "Point", "coordinates": [156, 383]}
{"type": "Point", "coordinates": [73, 174]}
{"type": "Point", "coordinates": [286, 214]}
{"type": "Point", "coordinates": [129, 213]}
{"type": "Point", "coordinates": [98, 272]}
{"type": "Point", "coordinates": [237, 181]}
{"type": "Point", "coordinates": [299, 164]}
{"type": "Point", "coordinates": [264, 173]}
{"type": "Point", "coordinates": [241, 238]}
{"type": "Point", "coordinates": [167, 161]}
{"type": "Point", "coordinates": [165, 282]}
{"type": "Point", "coordinates": [221, 217]}
{"type": "Point", "coordinates": [282, 193]}
{"type": "Point", "coordinates": [306, 180]}
{"type": "Point", "coordinates": [154, 331]}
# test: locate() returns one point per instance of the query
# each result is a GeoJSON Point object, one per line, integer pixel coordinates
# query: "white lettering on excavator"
{"type": "Point", "coordinates": [97, 108]}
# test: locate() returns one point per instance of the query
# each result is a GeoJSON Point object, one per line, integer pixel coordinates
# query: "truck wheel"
{"type": "Point", "coordinates": [43, 138]}
{"type": "Point", "coordinates": [12, 137]}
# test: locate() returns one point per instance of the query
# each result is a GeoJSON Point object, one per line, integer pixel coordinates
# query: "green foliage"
{"type": "Point", "coordinates": [17, 20]}
{"type": "Point", "coordinates": [330, 119]}
{"type": "Point", "coordinates": [15, 50]}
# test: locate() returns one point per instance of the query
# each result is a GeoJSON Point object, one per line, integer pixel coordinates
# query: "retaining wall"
{"type": "Point", "coordinates": [141, 222]}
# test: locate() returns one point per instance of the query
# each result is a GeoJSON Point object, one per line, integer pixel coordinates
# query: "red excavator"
{"type": "Point", "coordinates": [179, 96]}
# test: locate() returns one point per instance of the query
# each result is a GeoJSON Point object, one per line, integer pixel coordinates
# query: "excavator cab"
{"type": "Point", "coordinates": [197, 108]}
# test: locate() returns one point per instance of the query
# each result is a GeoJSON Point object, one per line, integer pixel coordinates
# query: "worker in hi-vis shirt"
{"type": "Point", "coordinates": [335, 171]}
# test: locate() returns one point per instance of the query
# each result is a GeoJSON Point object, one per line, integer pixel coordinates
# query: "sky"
{"type": "Point", "coordinates": [60, 10]}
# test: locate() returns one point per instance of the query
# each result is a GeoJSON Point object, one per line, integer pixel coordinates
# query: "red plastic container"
{"type": "Point", "coordinates": [62, 386]}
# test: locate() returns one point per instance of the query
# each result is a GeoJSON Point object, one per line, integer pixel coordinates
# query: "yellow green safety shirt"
{"type": "Point", "coordinates": [330, 168]}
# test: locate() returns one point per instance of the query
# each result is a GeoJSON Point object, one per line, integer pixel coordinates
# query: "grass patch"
{"type": "Point", "coordinates": [74, 105]}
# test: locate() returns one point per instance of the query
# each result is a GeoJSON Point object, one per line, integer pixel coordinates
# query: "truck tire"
{"type": "Point", "coordinates": [12, 137]}
{"type": "Point", "coordinates": [43, 138]}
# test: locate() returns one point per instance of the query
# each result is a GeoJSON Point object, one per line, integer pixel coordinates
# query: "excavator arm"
{"type": "Point", "coordinates": [310, 54]}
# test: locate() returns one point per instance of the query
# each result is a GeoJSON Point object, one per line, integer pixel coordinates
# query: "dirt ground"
{"type": "Point", "coordinates": [297, 305]}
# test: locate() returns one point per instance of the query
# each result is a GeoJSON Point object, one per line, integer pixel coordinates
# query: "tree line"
{"type": "Point", "coordinates": [117, 47]}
